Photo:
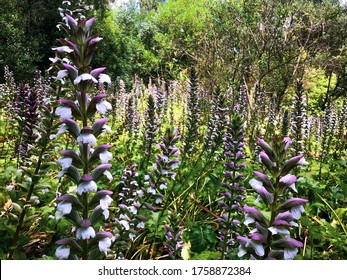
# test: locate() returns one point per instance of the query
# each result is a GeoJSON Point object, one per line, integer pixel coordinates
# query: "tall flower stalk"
{"type": "Point", "coordinates": [193, 116]}
{"type": "Point", "coordinates": [233, 189]}
{"type": "Point", "coordinates": [298, 119]}
{"type": "Point", "coordinates": [89, 205]}
{"type": "Point", "coordinates": [150, 131]}
{"type": "Point", "coordinates": [217, 124]}
{"type": "Point", "coordinates": [270, 236]}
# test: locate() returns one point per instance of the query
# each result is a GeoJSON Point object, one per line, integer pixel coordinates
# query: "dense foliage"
{"type": "Point", "coordinates": [225, 125]}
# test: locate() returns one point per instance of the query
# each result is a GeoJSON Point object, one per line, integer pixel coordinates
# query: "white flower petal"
{"type": "Point", "coordinates": [108, 175]}
{"type": "Point", "coordinates": [105, 202]}
{"type": "Point", "coordinates": [297, 211]}
{"type": "Point", "coordinates": [103, 106]}
{"type": "Point", "coordinates": [141, 225]}
{"type": "Point", "coordinates": [151, 190]}
{"type": "Point", "coordinates": [84, 77]}
{"type": "Point", "coordinates": [62, 252]}
{"type": "Point", "coordinates": [107, 128]}
{"type": "Point", "coordinates": [292, 186]}
{"type": "Point", "coordinates": [105, 156]}
{"type": "Point", "coordinates": [85, 187]}
{"type": "Point", "coordinates": [65, 162]}
{"type": "Point", "coordinates": [63, 49]}
{"type": "Point", "coordinates": [303, 161]}
{"type": "Point", "coordinates": [132, 236]}
{"type": "Point", "coordinates": [63, 208]}
{"type": "Point", "coordinates": [63, 112]}
{"type": "Point", "coordinates": [104, 78]}
{"type": "Point", "coordinates": [258, 247]}
{"type": "Point", "coordinates": [86, 138]}
{"type": "Point", "coordinates": [279, 230]}
{"type": "Point", "coordinates": [255, 184]}
{"type": "Point", "coordinates": [140, 193]}
{"type": "Point", "coordinates": [290, 254]}
{"type": "Point", "coordinates": [85, 233]}
{"type": "Point", "coordinates": [133, 209]}
{"type": "Point", "coordinates": [104, 244]}
{"type": "Point", "coordinates": [248, 219]}
{"type": "Point", "coordinates": [106, 214]}
{"type": "Point", "coordinates": [62, 74]}
{"type": "Point", "coordinates": [242, 251]}
{"type": "Point", "coordinates": [125, 224]}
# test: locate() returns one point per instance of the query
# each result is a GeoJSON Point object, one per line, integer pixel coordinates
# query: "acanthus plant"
{"type": "Point", "coordinates": [32, 113]}
{"type": "Point", "coordinates": [150, 131]}
{"type": "Point", "coordinates": [193, 116]}
{"type": "Point", "coordinates": [298, 122]}
{"type": "Point", "coordinates": [136, 202]}
{"type": "Point", "coordinates": [233, 190]}
{"type": "Point", "coordinates": [270, 237]}
{"type": "Point", "coordinates": [162, 172]}
{"type": "Point", "coordinates": [217, 124]}
{"type": "Point", "coordinates": [88, 205]}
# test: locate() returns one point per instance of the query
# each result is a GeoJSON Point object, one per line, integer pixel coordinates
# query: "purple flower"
{"type": "Point", "coordinates": [85, 231]}
{"type": "Point", "coordinates": [289, 181]}
{"type": "Point", "coordinates": [253, 214]}
{"type": "Point", "coordinates": [87, 184]}
{"type": "Point", "coordinates": [295, 205]}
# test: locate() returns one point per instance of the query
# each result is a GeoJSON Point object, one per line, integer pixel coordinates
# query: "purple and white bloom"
{"type": "Point", "coordinates": [290, 246]}
{"type": "Point", "coordinates": [84, 77]}
{"type": "Point", "coordinates": [63, 208]}
{"type": "Point", "coordinates": [62, 252]}
{"type": "Point", "coordinates": [105, 202]}
{"type": "Point", "coordinates": [125, 224]}
{"type": "Point", "coordinates": [289, 181]}
{"type": "Point", "coordinates": [104, 244]}
{"type": "Point", "coordinates": [104, 78]}
{"type": "Point", "coordinates": [65, 162]}
{"type": "Point", "coordinates": [87, 184]}
{"type": "Point", "coordinates": [86, 138]}
{"type": "Point", "coordinates": [103, 106]}
{"type": "Point", "coordinates": [105, 156]}
{"type": "Point", "coordinates": [159, 199]}
{"type": "Point", "coordinates": [133, 209]}
{"type": "Point", "coordinates": [246, 243]}
{"type": "Point", "coordinates": [85, 231]}
{"type": "Point", "coordinates": [62, 74]}
{"type": "Point", "coordinates": [295, 205]}
{"type": "Point", "coordinates": [279, 230]}
{"type": "Point", "coordinates": [151, 190]}
{"type": "Point", "coordinates": [253, 214]}
{"type": "Point", "coordinates": [141, 225]}
{"type": "Point", "coordinates": [63, 49]}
